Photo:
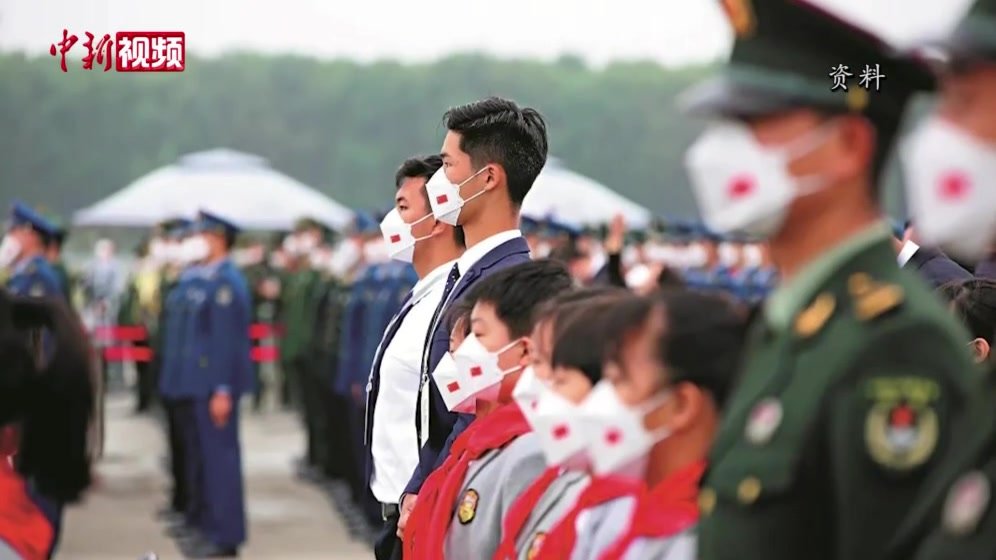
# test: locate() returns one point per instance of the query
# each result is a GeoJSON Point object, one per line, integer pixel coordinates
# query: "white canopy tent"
{"type": "Point", "coordinates": [240, 187]}
{"type": "Point", "coordinates": [574, 199]}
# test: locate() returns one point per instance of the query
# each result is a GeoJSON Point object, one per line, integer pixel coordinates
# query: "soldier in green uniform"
{"type": "Point", "coordinates": [950, 162]}
{"type": "Point", "coordinates": [264, 288]}
{"type": "Point", "coordinates": [855, 377]}
{"type": "Point", "coordinates": [299, 312]}
{"type": "Point", "coordinates": [53, 252]}
{"type": "Point", "coordinates": [132, 313]}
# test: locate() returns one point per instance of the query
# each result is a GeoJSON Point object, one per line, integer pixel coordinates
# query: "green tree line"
{"type": "Point", "coordinates": [71, 138]}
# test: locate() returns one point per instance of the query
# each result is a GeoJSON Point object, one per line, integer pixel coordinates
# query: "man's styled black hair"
{"type": "Point", "coordinates": [496, 130]}
{"type": "Point", "coordinates": [424, 167]}
{"type": "Point", "coordinates": [580, 334]}
{"type": "Point", "coordinates": [419, 166]}
{"type": "Point", "coordinates": [517, 291]}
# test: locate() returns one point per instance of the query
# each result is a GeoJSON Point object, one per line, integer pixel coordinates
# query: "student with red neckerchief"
{"type": "Point", "coordinates": [568, 337]}
{"type": "Point", "coordinates": [670, 364]}
{"type": "Point", "coordinates": [460, 507]}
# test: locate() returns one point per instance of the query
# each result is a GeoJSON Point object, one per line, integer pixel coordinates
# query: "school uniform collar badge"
{"type": "Point", "coordinates": [36, 290]}
{"type": "Point", "coordinates": [468, 507]}
{"type": "Point", "coordinates": [901, 426]}
{"type": "Point", "coordinates": [966, 503]}
{"type": "Point", "coordinates": [535, 545]}
{"type": "Point", "coordinates": [224, 295]}
{"type": "Point", "coordinates": [763, 421]}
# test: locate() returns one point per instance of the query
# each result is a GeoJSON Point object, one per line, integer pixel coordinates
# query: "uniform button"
{"type": "Point", "coordinates": [749, 490]}
{"type": "Point", "coordinates": [204, 362]}
{"type": "Point", "coordinates": [707, 501]}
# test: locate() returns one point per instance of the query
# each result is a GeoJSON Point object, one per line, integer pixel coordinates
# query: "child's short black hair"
{"type": "Point", "coordinates": [579, 337]}
{"type": "Point", "coordinates": [517, 291]}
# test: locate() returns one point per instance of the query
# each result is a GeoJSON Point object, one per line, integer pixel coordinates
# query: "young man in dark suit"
{"type": "Point", "coordinates": [492, 153]}
{"type": "Point", "coordinates": [931, 264]}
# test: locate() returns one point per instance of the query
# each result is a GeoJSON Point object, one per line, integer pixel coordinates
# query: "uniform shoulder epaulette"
{"type": "Point", "coordinates": [871, 298]}
{"type": "Point", "coordinates": [812, 319]}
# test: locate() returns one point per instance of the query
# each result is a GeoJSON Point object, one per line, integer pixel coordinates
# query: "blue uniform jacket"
{"type": "Point", "coordinates": [34, 277]}
{"type": "Point", "coordinates": [172, 329]}
{"type": "Point", "coordinates": [214, 352]}
{"type": "Point", "coordinates": [445, 426]}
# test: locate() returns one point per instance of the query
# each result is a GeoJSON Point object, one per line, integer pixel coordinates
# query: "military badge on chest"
{"type": "Point", "coordinates": [468, 507]}
{"type": "Point", "coordinates": [966, 503]}
{"type": "Point", "coordinates": [763, 421]}
{"type": "Point", "coordinates": [224, 296]}
{"type": "Point", "coordinates": [901, 426]}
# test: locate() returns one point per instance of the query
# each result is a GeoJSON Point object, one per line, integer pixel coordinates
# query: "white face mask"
{"type": "Point", "coordinates": [454, 386]}
{"type": "Point", "coordinates": [527, 393]}
{"type": "Point", "coordinates": [562, 431]}
{"type": "Point", "coordinates": [619, 443]}
{"type": "Point", "coordinates": [157, 251]}
{"type": "Point", "coordinates": [741, 185]}
{"type": "Point", "coordinates": [375, 252]}
{"type": "Point", "coordinates": [10, 249]}
{"type": "Point", "coordinates": [477, 364]}
{"type": "Point", "coordinates": [950, 181]}
{"type": "Point", "coordinates": [291, 245]}
{"type": "Point", "coordinates": [195, 249]}
{"type": "Point", "coordinates": [753, 257]}
{"type": "Point", "coordinates": [398, 236]}
{"type": "Point", "coordinates": [319, 260]}
{"type": "Point", "coordinates": [306, 242]}
{"type": "Point", "coordinates": [696, 256]}
{"type": "Point", "coordinates": [445, 199]}
{"type": "Point", "coordinates": [346, 255]}
{"type": "Point", "coordinates": [728, 255]}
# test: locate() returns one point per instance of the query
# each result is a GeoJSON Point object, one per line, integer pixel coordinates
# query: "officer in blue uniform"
{"type": "Point", "coordinates": [27, 236]}
{"type": "Point", "coordinates": [215, 370]}
{"type": "Point", "coordinates": [175, 280]}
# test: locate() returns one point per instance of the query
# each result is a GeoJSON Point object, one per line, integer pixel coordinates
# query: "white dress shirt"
{"type": "Point", "coordinates": [906, 253]}
{"type": "Point", "coordinates": [394, 440]}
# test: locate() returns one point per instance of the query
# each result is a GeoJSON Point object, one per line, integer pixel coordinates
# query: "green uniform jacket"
{"type": "Point", "coordinates": [955, 518]}
{"type": "Point", "coordinates": [853, 387]}
{"type": "Point", "coordinates": [298, 308]}
{"type": "Point", "coordinates": [62, 273]}
{"type": "Point", "coordinates": [167, 280]}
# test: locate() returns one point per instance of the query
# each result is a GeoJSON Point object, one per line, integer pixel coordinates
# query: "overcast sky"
{"type": "Point", "coordinates": [673, 32]}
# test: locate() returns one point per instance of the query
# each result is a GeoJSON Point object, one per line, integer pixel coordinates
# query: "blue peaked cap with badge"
{"type": "Point", "coordinates": [22, 215]}
{"type": "Point", "coordinates": [209, 222]}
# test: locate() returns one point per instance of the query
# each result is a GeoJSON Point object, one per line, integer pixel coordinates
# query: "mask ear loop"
{"type": "Point", "coordinates": [416, 222]}
{"type": "Point", "coordinates": [505, 349]}
{"type": "Point", "coordinates": [650, 405]}
{"type": "Point", "coordinates": [467, 180]}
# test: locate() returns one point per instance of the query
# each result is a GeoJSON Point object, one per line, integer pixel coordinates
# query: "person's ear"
{"type": "Point", "coordinates": [527, 352]}
{"type": "Point", "coordinates": [679, 411]}
{"type": "Point", "coordinates": [980, 349]}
